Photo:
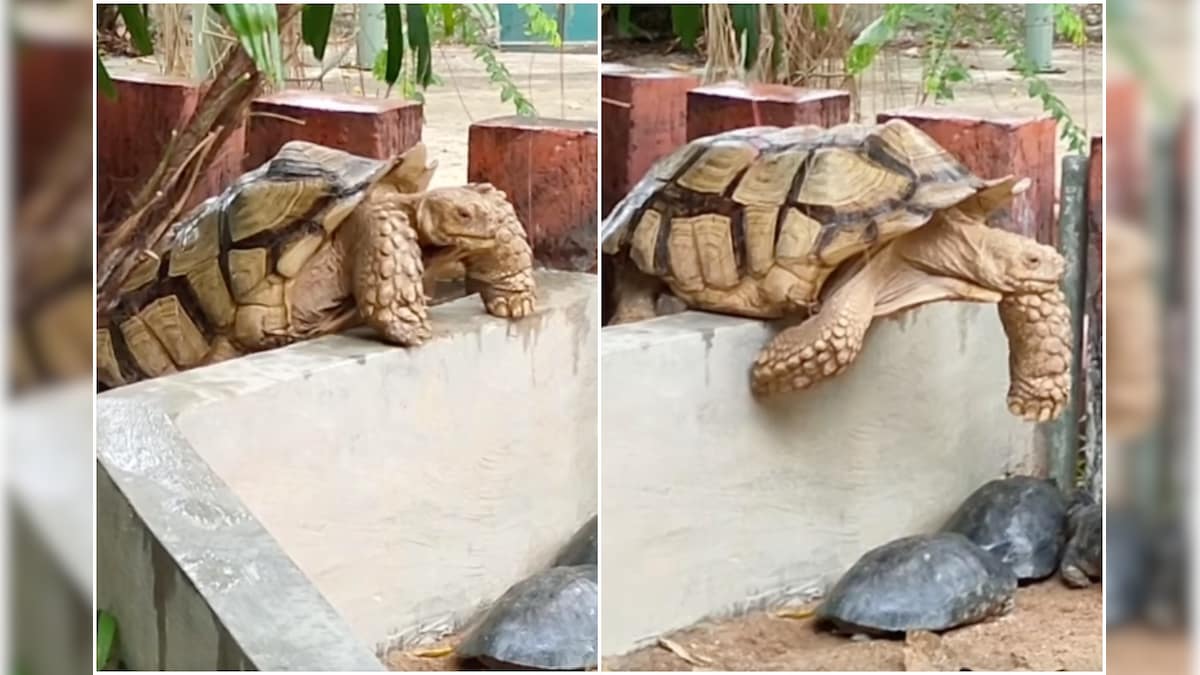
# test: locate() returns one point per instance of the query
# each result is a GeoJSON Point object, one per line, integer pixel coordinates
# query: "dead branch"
{"type": "Point", "coordinates": [223, 106]}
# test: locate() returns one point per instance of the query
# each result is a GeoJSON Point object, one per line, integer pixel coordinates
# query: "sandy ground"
{"type": "Point", "coordinates": [558, 86]}
{"type": "Point", "coordinates": [1141, 649]}
{"type": "Point", "coordinates": [1053, 628]}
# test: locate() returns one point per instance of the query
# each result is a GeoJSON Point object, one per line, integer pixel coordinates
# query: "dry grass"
{"type": "Point", "coordinates": [794, 48]}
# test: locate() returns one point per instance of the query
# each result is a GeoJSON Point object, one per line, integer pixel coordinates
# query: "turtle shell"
{"type": "Point", "coordinates": [234, 249]}
{"type": "Point", "coordinates": [581, 549]}
{"type": "Point", "coordinates": [1085, 540]}
{"type": "Point", "coordinates": [926, 582]}
{"type": "Point", "coordinates": [729, 206]}
{"type": "Point", "coordinates": [547, 621]}
{"type": "Point", "coordinates": [1021, 520]}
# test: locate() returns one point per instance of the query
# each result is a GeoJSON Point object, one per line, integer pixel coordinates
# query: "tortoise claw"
{"type": "Point", "coordinates": [511, 306]}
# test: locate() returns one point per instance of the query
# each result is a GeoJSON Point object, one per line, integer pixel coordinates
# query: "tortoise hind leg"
{"type": "Point", "coordinates": [387, 274]}
{"type": "Point", "coordinates": [636, 294]}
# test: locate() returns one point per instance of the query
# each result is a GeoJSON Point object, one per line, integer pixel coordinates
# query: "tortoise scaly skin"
{"type": "Point", "coordinates": [841, 225]}
{"type": "Point", "coordinates": [314, 241]}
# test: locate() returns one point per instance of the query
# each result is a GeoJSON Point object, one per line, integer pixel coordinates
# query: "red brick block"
{"type": "Point", "coordinates": [133, 130]}
{"type": "Point", "coordinates": [734, 105]}
{"type": "Point", "coordinates": [1127, 141]}
{"type": "Point", "coordinates": [52, 94]}
{"type": "Point", "coordinates": [644, 118]}
{"type": "Point", "coordinates": [998, 146]}
{"type": "Point", "coordinates": [548, 169]}
{"type": "Point", "coordinates": [371, 127]}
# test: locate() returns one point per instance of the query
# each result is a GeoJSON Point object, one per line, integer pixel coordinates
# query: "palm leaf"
{"type": "Point", "coordinates": [315, 21]}
{"type": "Point", "coordinates": [687, 21]}
{"type": "Point", "coordinates": [257, 28]}
{"type": "Point", "coordinates": [103, 82]}
{"type": "Point", "coordinates": [395, 43]}
{"type": "Point", "coordinates": [135, 22]}
{"type": "Point", "coordinates": [418, 40]}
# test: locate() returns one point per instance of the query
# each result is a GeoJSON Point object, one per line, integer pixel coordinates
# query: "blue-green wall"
{"type": "Point", "coordinates": [582, 25]}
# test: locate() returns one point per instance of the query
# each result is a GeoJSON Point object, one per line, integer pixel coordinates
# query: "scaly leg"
{"type": "Point", "coordinates": [821, 347]}
{"type": "Point", "coordinates": [636, 294]}
{"type": "Point", "coordinates": [387, 274]}
{"type": "Point", "coordinates": [503, 273]}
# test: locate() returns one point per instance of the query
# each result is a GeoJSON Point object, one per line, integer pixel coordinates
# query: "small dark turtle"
{"type": "Point", "coordinates": [1021, 520]}
{"type": "Point", "coordinates": [545, 622]}
{"type": "Point", "coordinates": [581, 549]}
{"type": "Point", "coordinates": [1083, 559]}
{"type": "Point", "coordinates": [930, 582]}
{"type": "Point", "coordinates": [1167, 592]}
{"type": "Point", "coordinates": [1127, 570]}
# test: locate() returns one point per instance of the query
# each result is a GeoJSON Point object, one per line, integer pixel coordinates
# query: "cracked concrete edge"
{"type": "Point", "coordinates": [194, 580]}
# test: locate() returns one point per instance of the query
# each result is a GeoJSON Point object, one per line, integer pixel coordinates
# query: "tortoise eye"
{"type": "Point", "coordinates": [464, 213]}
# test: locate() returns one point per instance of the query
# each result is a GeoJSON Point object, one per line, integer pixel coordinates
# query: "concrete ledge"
{"type": "Point", "coordinates": [715, 503]}
{"type": "Point", "coordinates": [194, 580]}
{"type": "Point", "coordinates": [408, 486]}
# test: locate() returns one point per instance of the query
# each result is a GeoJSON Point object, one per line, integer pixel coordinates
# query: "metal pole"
{"type": "Point", "coordinates": [1151, 487]}
{"type": "Point", "coordinates": [1039, 36]}
{"type": "Point", "coordinates": [372, 34]}
{"type": "Point", "coordinates": [1072, 223]}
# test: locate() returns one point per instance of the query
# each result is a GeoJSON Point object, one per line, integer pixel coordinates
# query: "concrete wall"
{"type": "Point", "coordinates": [409, 486]}
{"type": "Point", "coordinates": [193, 579]}
{"type": "Point", "coordinates": [715, 503]}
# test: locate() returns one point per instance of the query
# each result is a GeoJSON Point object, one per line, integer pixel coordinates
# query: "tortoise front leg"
{"type": "Point", "coordinates": [387, 275]}
{"type": "Point", "coordinates": [503, 273]}
{"type": "Point", "coordinates": [821, 347]}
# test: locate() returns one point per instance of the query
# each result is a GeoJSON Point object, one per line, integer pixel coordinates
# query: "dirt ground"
{"type": "Point", "coordinates": [558, 86]}
{"type": "Point", "coordinates": [1053, 628]}
{"type": "Point", "coordinates": [1136, 650]}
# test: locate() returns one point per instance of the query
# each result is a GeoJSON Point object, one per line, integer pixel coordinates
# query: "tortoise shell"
{"type": "Point", "coordinates": [234, 249]}
{"type": "Point", "coordinates": [1021, 520]}
{"type": "Point", "coordinates": [927, 582]}
{"type": "Point", "coordinates": [547, 621]}
{"type": "Point", "coordinates": [736, 205]}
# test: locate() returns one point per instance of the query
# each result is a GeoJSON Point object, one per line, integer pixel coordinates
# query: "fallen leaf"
{"type": "Point", "coordinates": [434, 652]}
{"type": "Point", "coordinates": [796, 613]}
{"type": "Point", "coordinates": [678, 650]}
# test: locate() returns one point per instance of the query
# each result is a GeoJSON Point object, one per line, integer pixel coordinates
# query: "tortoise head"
{"type": "Point", "coordinates": [413, 170]}
{"type": "Point", "coordinates": [465, 217]}
{"type": "Point", "coordinates": [1006, 262]}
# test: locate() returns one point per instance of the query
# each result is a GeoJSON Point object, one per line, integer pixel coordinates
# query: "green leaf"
{"type": "Point", "coordinates": [135, 22]}
{"type": "Point", "coordinates": [449, 18]}
{"type": "Point", "coordinates": [624, 21]}
{"type": "Point", "coordinates": [542, 25]}
{"type": "Point", "coordinates": [418, 40]}
{"type": "Point", "coordinates": [820, 13]}
{"type": "Point", "coordinates": [315, 21]}
{"type": "Point", "coordinates": [106, 636]}
{"type": "Point", "coordinates": [395, 43]}
{"type": "Point", "coordinates": [745, 27]}
{"type": "Point", "coordinates": [869, 41]}
{"type": "Point", "coordinates": [687, 22]}
{"type": "Point", "coordinates": [103, 82]}
{"type": "Point", "coordinates": [257, 28]}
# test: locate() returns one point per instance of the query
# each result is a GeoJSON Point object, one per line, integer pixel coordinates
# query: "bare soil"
{"type": "Point", "coordinates": [1053, 628]}
{"type": "Point", "coordinates": [1142, 649]}
{"type": "Point", "coordinates": [428, 658]}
